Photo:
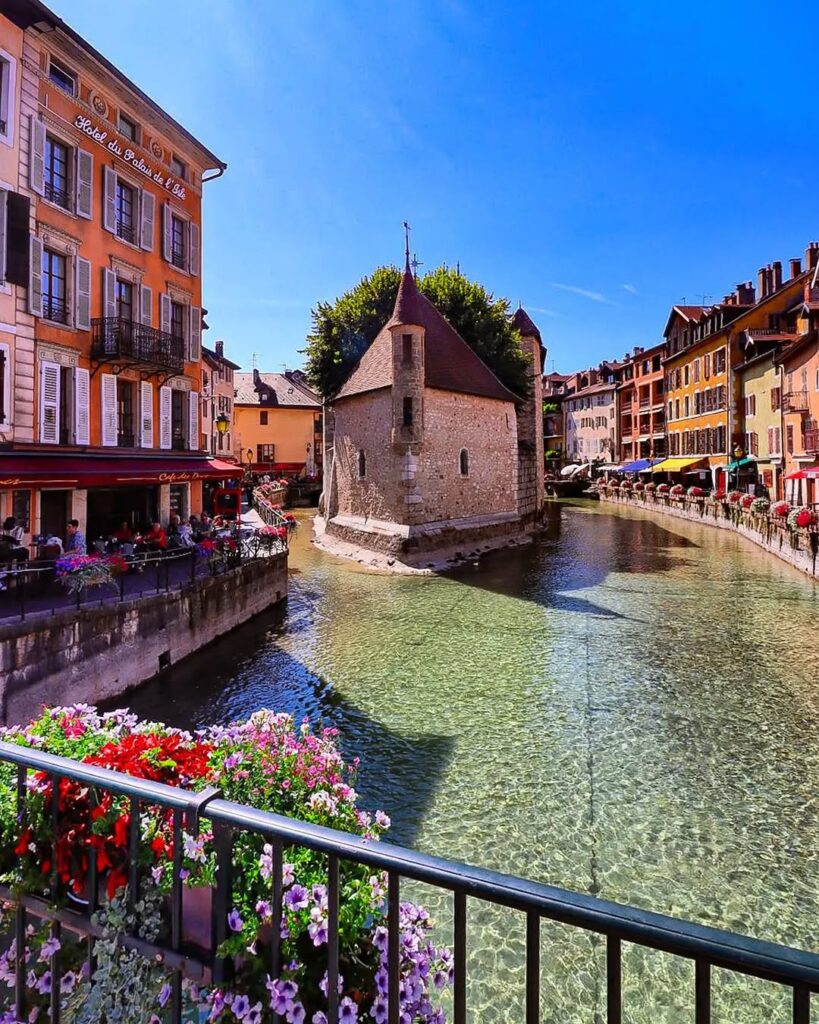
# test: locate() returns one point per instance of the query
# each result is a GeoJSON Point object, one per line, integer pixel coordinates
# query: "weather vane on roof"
{"type": "Point", "coordinates": [406, 242]}
{"type": "Point", "coordinates": [415, 263]}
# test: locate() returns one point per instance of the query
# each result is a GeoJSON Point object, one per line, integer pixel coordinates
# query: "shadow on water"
{"type": "Point", "coordinates": [578, 549]}
{"type": "Point", "coordinates": [248, 670]}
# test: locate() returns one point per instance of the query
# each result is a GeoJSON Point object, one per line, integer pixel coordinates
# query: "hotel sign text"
{"type": "Point", "coordinates": [129, 156]}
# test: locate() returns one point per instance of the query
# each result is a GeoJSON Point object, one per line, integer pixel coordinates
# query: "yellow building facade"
{"type": "Point", "coordinates": [277, 423]}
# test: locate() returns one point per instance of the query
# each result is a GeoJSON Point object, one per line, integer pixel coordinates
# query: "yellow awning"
{"type": "Point", "coordinates": [676, 465]}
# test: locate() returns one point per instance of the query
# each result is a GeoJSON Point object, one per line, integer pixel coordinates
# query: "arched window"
{"type": "Point", "coordinates": [464, 462]}
{"type": "Point", "coordinates": [362, 463]}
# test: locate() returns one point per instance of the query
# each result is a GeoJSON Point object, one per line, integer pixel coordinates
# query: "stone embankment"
{"type": "Point", "coordinates": [796, 546]}
{"type": "Point", "coordinates": [98, 653]}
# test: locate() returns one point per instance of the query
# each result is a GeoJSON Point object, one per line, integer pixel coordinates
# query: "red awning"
{"type": "Point", "coordinates": [18, 469]}
{"type": "Point", "coordinates": [278, 467]}
{"type": "Point", "coordinates": [798, 474]}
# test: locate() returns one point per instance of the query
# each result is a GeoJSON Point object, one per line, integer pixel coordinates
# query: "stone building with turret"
{"type": "Point", "coordinates": [427, 454]}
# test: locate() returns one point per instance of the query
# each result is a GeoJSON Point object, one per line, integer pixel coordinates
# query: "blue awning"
{"type": "Point", "coordinates": [640, 466]}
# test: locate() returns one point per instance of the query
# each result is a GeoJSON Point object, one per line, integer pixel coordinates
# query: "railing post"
{"type": "Point", "coordinates": [223, 844]}
{"type": "Point", "coordinates": [459, 1002]}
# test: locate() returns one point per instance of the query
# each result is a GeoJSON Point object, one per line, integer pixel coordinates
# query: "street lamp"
{"type": "Point", "coordinates": [222, 423]}
{"type": "Point", "coordinates": [737, 457]}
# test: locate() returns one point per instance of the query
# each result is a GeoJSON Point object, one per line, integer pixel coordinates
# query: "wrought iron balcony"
{"type": "Point", "coordinates": [115, 339]}
{"type": "Point", "coordinates": [56, 195]}
{"type": "Point", "coordinates": [55, 309]}
{"type": "Point", "coordinates": [126, 231]}
{"type": "Point", "coordinates": [796, 401]}
{"type": "Point", "coordinates": [178, 259]}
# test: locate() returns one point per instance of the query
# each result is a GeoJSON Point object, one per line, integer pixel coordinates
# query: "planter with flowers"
{"type": "Point", "coordinates": [759, 506]}
{"type": "Point", "coordinates": [802, 518]}
{"type": "Point", "coordinates": [81, 572]}
{"type": "Point", "coordinates": [639, 488]}
{"type": "Point", "coordinates": [677, 492]}
{"type": "Point", "coordinates": [734, 497]}
{"type": "Point", "coordinates": [720, 494]}
{"type": "Point", "coordinates": [626, 485]}
{"type": "Point", "coordinates": [695, 492]}
{"type": "Point", "coordinates": [266, 762]}
{"type": "Point", "coordinates": [745, 501]}
{"type": "Point", "coordinates": [779, 509]}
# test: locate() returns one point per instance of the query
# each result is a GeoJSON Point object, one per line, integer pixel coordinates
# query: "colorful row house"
{"type": "Point", "coordinates": [102, 238]}
{"type": "Point", "coordinates": [641, 406]}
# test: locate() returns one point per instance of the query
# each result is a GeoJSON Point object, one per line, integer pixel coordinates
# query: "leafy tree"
{"type": "Point", "coordinates": [344, 330]}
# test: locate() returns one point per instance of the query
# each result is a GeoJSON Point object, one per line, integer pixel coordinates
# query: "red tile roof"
{"type": "Point", "coordinates": [449, 363]}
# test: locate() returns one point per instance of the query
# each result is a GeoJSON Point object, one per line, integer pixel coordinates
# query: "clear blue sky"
{"type": "Point", "coordinates": [597, 161]}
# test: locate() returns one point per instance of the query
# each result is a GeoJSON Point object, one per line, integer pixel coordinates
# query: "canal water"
{"type": "Point", "coordinates": [628, 707]}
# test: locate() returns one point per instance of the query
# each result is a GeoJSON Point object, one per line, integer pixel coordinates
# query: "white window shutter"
{"type": "Point", "coordinates": [108, 395]}
{"type": "Point", "coordinates": [36, 155]}
{"type": "Point", "coordinates": [194, 248]}
{"type": "Point", "coordinates": [195, 348]}
{"type": "Point", "coordinates": [4, 196]}
{"type": "Point", "coordinates": [35, 277]}
{"type": "Point", "coordinates": [193, 421]}
{"type": "Point", "coordinates": [165, 312]}
{"type": "Point", "coordinates": [82, 314]}
{"type": "Point", "coordinates": [109, 199]}
{"type": "Point", "coordinates": [49, 403]}
{"type": "Point", "coordinates": [146, 305]}
{"type": "Point", "coordinates": [84, 196]}
{"type": "Point", "coordinates": [146, 222]}
{"type": "Point", "coordinates": [146, 414]}
{"type": "Point", "coordinates": [82, 404]}
{"type": "Point", "coordinates": [109, 292]}
{"type": "Point", "coordinates": [165, 417]}
{"type": "Point", "coordinates": [167, 234]}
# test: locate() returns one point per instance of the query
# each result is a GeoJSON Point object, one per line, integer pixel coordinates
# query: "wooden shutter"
{"type": "Point", "coordinates": [49, 403]}
{"type": "Point", "coordinates": [193, 421]}
{"type": "Point", "coordinates": [194, 249]}
{"type": "Point", "coordinates": [84, 195]}
{"type": "Point", "coordinates": [108, 397]}
{"type": "Point", "coordinates": [83, 295]}
{"type": "Point", "coordinates": [109, 199]}
{"type": "Point", "coordinates": [146, 221]}
{"type": "Point", "coordinates": [82, 402]}
{"type": "Point", "coordinates": [109, 292]}
{"type": "Point", "coordinates": [165, 312]}
{"type": "Point", "coordinates": [146, 414]}
{"type": "Point", "coordinates": [36, 155]}
{"type": "Point", "coordinates": [195, 330]}
{"type": "Point", "coordinates": [35, 277]}
{"type": "Point", "coordinates": [165, 417]}
{"type": "Point", "coordinates": [4, 196]}
{"type": "Point", "coordinates": [146, 305]}
{"type": "Point", "coordinates": [17, 238]}
{"type": "Point", "coordinates": [167, 233]}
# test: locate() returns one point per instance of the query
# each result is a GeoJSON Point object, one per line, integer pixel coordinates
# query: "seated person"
{"type": "Point", "coordinates": [156, 539]}
{"type": "Point", "coordinates": [205, 524]}
{"type": "Point", "coordinates": [75, 541]}
{"type": "Point", "coordinates": [11, 542]}
{"type": "Point", "coordinates": [124, 535]}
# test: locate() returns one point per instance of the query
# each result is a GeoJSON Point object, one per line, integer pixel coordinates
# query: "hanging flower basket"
{"type": "Point", "coordinates": [760, 505]}
{"type": "Point", "coordinates": [626, 485]}
{"type": "Point", "coordinates": [650, 488]}
{"type": "Point", "coordinates": [79, 572]}
{"type": "Point", "coordinates": [662, 488]}
{"type": "Point", "coordinates": [746, 500]}
{"type": "Point", "coordinates": [780, 509]}
{"type": "Point", "coordinates": [719, 495]}
{"type": "Point", "coordinates": [695, 492]}
{"type": "Point", "coordinates": [802, 518]}
{"type": "Point", "coordinates": [734, 497]}
{"type": "Point", "coordinates": [677, 491]}
{"type": "Point", "coordinates": [639, 487]}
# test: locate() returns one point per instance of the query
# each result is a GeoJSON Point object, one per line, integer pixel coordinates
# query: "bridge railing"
{"type": "Point", "coordinates": [706, 947]}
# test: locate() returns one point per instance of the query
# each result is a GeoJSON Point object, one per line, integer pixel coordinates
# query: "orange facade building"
{"type": "Point", "coordinates": [641, 406]}
{"type": "Point", "coordinates": [110, 322]}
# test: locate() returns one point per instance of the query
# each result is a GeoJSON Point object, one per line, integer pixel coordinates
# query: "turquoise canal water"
{"type": "Point", "coordinates": [628, 707]}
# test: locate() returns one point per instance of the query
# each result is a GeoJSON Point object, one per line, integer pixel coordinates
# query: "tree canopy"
{"type": "Point", "coordinates": [343, 330]}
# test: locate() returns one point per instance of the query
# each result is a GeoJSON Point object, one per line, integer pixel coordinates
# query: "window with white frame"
{"type": "Point", "coordinates": [63, 77]}
{"type": "Point", "coordinates": [57, 179]}
{"type": "Point", "coordinates": [8, 77]}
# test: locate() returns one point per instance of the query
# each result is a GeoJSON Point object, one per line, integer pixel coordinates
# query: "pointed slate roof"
{"type": "Point", "coordinates": [449, 363]}
{"type": "Point", "coordinates": [525, 324]}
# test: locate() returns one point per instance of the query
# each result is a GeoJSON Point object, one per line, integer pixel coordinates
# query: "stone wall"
{"type": "Point", "coordinates": [797, 547]}
{"type": "Point", "coordinates": [99, 653]}
{"type": "Point", "coordinates": [530, 494]}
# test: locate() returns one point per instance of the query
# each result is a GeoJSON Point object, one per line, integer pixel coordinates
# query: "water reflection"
{"type": "Point", "coordinates": [625, 708]}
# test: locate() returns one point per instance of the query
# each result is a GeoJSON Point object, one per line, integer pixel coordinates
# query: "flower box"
{"type": "Point", "coordinates": [759, 506]}
{"type": "Point", "coordinates": [780, 509]}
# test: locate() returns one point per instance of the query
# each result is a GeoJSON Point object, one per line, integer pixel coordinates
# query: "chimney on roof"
{"type": "Point", "coordinates": [796, 268]}
{"type": "Point", "coordinates": [811, 255]}
{"type": "Point", "coordinates": [745, 294]}
{"type": "Point", "coordinates": [762, 277]}
{"type": "Point", "coordinates": [257, 380]}
{"type": "Point", "coordinates": [220, 348]}
{"type": "Point", "coordinates": [776, 275]}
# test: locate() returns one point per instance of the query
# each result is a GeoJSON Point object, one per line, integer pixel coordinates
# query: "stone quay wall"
{"type": "Point", "coordinates": [797, 547]}
{"type": "Point", "coordinates": [99, 653]}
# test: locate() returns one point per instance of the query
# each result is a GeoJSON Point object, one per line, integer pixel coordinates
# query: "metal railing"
{"type": "Point", "coordinates": [55, 194]}
{"type": "Point", "coordinates": [706, 947]}
{"type": "Point", "coordinates": [28, 589]}
{"type": "Point", "coordinates": [126, 231]}
{"type": "Point", "coordinates": [116, 338]}
{"type": "Point", "coordinates": [795, 401]}
{"type": "Point", "coordinates": [55, 309]}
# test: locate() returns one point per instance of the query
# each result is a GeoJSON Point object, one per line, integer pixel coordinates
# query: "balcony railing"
{"type": "Point", "coordinates": [126, 232]}
{"type": "Point", "coordinates": [58, 196]}
{"type": "Point", "coordinates": [795, 401]}
{"type": "Point", "coordinates": [706, 948]}
{"type": "Point", "coordinates": [178, 259]}
{"type": "Point", "coordinates": [55, 309]}
{"type": "Point", "coordinates": [115, 338]}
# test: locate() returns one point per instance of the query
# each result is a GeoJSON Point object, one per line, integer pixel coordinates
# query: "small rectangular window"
{"type": "Point", "coordinates": [407, 348]}
{"type": "Point", "coordinates": [62, 77]}
{"type": "Point", "coordinates": [178, 168]}
{"type": "Point", "coordinates": [56, 171]}
{"type": "Point", "coordinates": [407, 412]}
{"type": "Point", "coordinates": [125, 212]}
{"type": "Point", "coordinates": [178, 232]}
{"type": "Point", "coordinates": [128, 128]}
{"type": "Point", "coordinates": [265, 453]}
{"type": "Point", "coordinates": [55, 276]}
{"type": "Point", "coordinates": [263, 419]}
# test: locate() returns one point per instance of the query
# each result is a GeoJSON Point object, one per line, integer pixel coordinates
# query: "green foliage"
{"type": "Point", "coordinates": [344, 330]}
